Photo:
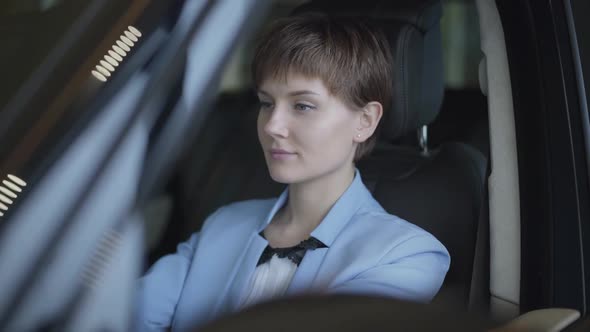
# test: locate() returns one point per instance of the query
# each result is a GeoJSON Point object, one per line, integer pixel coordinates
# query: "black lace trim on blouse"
{"type": "Point", "coordinates": [294, 254]}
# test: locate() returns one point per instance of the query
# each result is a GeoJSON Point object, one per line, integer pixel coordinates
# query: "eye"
{"type": "Point", "coordinates": [264, 105]}
{"type": "Point", "coordinates": [303, 107]}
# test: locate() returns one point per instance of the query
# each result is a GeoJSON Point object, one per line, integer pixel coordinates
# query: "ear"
{"type": "Point", "coordinates": [368, 120]}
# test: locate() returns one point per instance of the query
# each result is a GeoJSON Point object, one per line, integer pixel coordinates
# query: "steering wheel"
{"type": "Point", "coordinates": [347, 313]}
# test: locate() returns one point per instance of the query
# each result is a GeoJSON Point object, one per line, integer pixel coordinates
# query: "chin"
{"type": "Point", "coordinates": [284, 174]}
{"type": "Point", "coordinates": [281, 176]}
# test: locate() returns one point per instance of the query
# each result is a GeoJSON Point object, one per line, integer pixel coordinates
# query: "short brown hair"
{"type": "Point", "coordinates": [350, 56]}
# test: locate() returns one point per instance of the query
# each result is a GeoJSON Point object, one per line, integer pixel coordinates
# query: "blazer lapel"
{"type": "Point", "coordinates": [306, 272]}
{"type": "Point", "coordinates": [223, 263]}
{"type": "Point", "coordinates": [247, 264]}
{"type": "Point", "coordinates": [305, 278]}
{"type": "Point", "coordinates": [208, 280]}
{"type": "Point", "coordinates": [245, 271]}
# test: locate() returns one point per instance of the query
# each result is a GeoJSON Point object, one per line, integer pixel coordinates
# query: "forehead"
{"type": "Point", "coordinates": [292, 82]}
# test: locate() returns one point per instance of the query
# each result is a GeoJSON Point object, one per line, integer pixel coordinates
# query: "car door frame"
{"type": "Point", "coordinates": [552, 131]}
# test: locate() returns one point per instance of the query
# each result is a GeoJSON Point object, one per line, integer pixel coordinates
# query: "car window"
{"type": "Point", "coordinates": [31, 30]}
{"type": "Point", "coordinates": [77, 144]}
{"type": "Point", "coordinates": [236, 75]}
{"type": "Point", "coordinates": [461, 50]}
{"type": "Point", "coordinates": [580, 9]}
{"type": "Point", "coordinates": [460, 36]}
{"type": "Point", "coordinates": [28, 42]}
{"type": "Point", "coordinates": [62, 55]}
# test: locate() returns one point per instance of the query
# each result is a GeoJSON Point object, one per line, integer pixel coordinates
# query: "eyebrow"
{"type": "Point", "coordinates": [293, 93]}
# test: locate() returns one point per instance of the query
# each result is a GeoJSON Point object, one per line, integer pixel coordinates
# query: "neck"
{"type": "Point", "coordinates": [310, 201]}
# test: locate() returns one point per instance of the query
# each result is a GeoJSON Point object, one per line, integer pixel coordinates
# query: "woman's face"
{"type": "Point", "coordinates": [305, 132]}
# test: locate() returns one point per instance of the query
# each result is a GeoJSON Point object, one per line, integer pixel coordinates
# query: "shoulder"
{"type": "Point", "coordinates": [379, 245]}
{"type": "Point", "coordinates": [390, 235]}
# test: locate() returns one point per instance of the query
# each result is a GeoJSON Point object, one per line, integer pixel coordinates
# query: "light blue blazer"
{"type": "Point", "coordinates": [368, 252]}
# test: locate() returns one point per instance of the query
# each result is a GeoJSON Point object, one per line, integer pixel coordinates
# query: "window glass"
{"type": "Point", "coordinates": [236, 76]}
{"type": "Point", "coordinates": [460, 36]}
{"type": "Point", "coordinates": [580, 9]}
{"type": "Point", "coordinates": [461, 45]}
{"type": "Point", "coordinates": [28, 31]}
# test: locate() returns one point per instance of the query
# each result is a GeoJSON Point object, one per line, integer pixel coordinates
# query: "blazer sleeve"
{"type": "Point", "coordinates": [413, 270]}
{"type": "Point", "coordinates": [160, 288]}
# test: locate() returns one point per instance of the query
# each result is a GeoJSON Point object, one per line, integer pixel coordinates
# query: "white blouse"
{"type": "Point", "coordinates": [270, 280]}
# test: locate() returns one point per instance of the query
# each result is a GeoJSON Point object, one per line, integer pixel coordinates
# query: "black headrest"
{"type": "Point", "coordinates": [413, 30]}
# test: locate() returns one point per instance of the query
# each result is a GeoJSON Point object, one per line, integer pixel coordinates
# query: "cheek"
{"type": "Point", "coordinates": [339, 140]}
{"type": "Point", "coordinates": [332, 136]}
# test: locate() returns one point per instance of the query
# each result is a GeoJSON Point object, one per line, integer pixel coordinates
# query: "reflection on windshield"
{"type": "Point", "coordinates": [9, 191]}
{"type": "Point", "coordinates": [29, 30]}
{"type": "Point", "coordinates": [20, 6]}
{"type": "Point", "coordinates": [116, 54]}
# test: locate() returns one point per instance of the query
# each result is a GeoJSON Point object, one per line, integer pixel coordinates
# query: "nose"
{"type": "Point", "coordinates": [276, 123]}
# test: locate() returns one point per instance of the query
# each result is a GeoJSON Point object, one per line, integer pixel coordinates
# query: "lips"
{"type": "Point", "coordinates": [280, 154]}
{"type": "Point", "coordinates": [280, 151]}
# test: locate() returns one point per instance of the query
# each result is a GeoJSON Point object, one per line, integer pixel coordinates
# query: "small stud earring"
{"type": "Point", "coordinates": [358, 135]}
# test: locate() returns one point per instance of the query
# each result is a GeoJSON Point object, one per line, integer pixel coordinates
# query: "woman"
{"type": "Point", "coordinates": [323, 85]}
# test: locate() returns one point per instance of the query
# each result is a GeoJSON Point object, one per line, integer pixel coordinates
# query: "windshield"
{"type": "Point", "coordinates": [61, 56]}
{"type": "Point", "coordinates": [29, 30]}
